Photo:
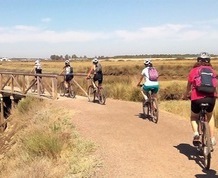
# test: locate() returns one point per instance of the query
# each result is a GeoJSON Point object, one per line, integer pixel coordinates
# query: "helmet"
{"type": "Point", "coordinates": [203, 57]}
{"type": "Point", "coordinates": [147, 62]}
{"type": "Point", "coordinates": [67, 62]}
{"type": "Point", "coordinates": [37, 62]}
{"type": "Point", "coordinates": [95, 60]}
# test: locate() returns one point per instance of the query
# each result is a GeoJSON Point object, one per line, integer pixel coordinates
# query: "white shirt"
{"type": "Point", "coordinates": [147, 82]}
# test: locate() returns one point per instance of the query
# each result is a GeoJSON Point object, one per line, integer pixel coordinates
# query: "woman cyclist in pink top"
{"type": "Point", "coordinates": [199, 97]}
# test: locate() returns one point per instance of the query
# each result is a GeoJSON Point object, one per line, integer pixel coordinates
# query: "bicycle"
{"type": "Point", "coordinates": [96, 92]}
{"type": "Point", "coordinates": [150, 107]}
{"type": "Point", "coordinates": [34, 84]}
{"type": "Point", "coordinates": [69, 92]}
{"type": "Point", "coordinates": [205, 147]}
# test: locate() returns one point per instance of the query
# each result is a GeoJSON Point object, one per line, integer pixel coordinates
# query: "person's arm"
{"type": "Point", "coordinates": [90, 71]}
{"type": "Point", "coordinates": [141, 78]}
{"type": "Point", "coordinates": [188, 90]}
{"type": "Point", "coordinates": [62, 71]}
{"type": "Point", "coordinates": [33, 69]}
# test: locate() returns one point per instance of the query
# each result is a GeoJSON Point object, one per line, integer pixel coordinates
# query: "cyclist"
{"type": "Point", "coordinates": [199, 97]}
{"type": "Point", "coordinates": [96, 69]}
{"type": "Point", "coordinates": [68, 69]}
{"type": "Point", "coordinates": [37, 68]}
{"type": "Point", "coordinates": [149, 85]}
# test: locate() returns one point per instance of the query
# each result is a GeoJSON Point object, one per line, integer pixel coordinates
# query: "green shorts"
{"type": "Point", "coordinates": [153, 88]}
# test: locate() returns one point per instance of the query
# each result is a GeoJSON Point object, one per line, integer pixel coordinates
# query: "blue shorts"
{"type": "Point", "coordinates": [153, 89]}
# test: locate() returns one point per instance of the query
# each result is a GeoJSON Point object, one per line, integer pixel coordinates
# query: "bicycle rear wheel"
{"type": "Point", "coordinates": [145, 108]}
{"type": "Point", "coordinates": [155, 111]}
{"type": "Point", "coordinates": [62, 89]}
{"type": "Point", "coordinates": [34, 86]}
{"type": "Point", "coordinates": [101, 96]}
{"type": "Point", "coordinates": [91, 93]}
{"type": "Point", "coordinates": [207, 146]}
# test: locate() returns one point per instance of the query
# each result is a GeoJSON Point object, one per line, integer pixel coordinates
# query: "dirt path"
{"type": "Point", "coordinates": [133, 147]}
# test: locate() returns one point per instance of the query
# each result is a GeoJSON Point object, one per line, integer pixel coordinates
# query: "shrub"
{"type": "Point", "coordinates": [172, 92]}
{"type": "Point", "coordinates": [26, 104]}
{"type": "Point", "coordinates": [38, 144]}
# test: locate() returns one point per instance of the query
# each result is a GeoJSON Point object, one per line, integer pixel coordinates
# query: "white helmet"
{"type": "Point", "coordinates": [95, 60]}
{"type": "Point", "coordinates": [147, 62]}
{"type": "Point", "coordinates": [37, 63]}
{"type": "Point", "coordinates": [204, 57]}
{"type": "Point", "coordinates": [67, 62]}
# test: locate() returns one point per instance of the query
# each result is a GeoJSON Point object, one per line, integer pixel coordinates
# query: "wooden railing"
{"type": "Point", "coordinates": [19, 83]}
{"type": "Point", "coordinates": [15, 83]}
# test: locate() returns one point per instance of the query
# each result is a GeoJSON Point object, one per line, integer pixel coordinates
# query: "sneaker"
{"type": "Point", "coordinates": [213, 141]}
{"type": "Point", "coordinates": [196, 140]}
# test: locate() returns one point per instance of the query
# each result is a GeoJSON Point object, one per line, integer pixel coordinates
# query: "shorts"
{"type": "Point", "coordinates": [68, 78]}
{"type": "Point", "coordinates": [38, 72]}
{"type": "Point", "coordinates": [98, 77]}
{"type": "Point", "coordinates": [153, 89]}
{"type": "Point", "coordinates": [195, 104]}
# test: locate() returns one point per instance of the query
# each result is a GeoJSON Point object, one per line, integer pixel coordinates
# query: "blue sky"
{"type": "Point", "coordinates": [41, 28]}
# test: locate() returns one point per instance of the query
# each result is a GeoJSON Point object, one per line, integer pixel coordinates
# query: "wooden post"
{"type": "Point", "coordinates": [38, 87]}
{"type": "Point", "coordinates": [81, 88]}
{"type": "Point", "coordinates": [2, 114]}
{"type": "Point", "coordinates": [54, 88]}
{"type": "Point", "coordinates": [24, 84]}
{"type": "Point", "coordinates": [12, 102]}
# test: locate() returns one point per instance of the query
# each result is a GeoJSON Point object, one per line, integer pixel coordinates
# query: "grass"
{"type": "Point", "coordinates": [46, 144]}
{"type": "Point", "coordinates": [121, 76]}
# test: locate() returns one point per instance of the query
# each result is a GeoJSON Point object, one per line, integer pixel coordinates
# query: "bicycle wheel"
{"type": "Point", "coordinates": [101, 96]}
{"type": "Point", "coordinates": [155, 111]}
{"type": "Point", "coordinates": [91, 93]}
{"type": "Point", "coordinates": [72, 93]}
{"type": "Point", "coordinates": [207, 147]}
{"type": "Point", "coordinates": [34, 87]}
{"type": "Point", "coordinates": [62, 89]}
{"type": "Point", "coordinates": [42, 89]}
{"type": "Point", "coordinates": [145, 108]}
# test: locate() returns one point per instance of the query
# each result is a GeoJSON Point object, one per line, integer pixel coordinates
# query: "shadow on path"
{"type": "Point", "coordinates": [192, 154]}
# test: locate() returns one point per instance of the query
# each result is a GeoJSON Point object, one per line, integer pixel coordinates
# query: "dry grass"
{"type": "Point", "coordinates": [121, 76]}
{"type": "Point", "coordinates": [46, 144]}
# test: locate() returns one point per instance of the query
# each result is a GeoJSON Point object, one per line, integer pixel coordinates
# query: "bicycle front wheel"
{"type": "Point", "coordinates": [62, 89]}
{"type": "Point", "coordinates": [101, 96]}
{"type": "Point", "coordinates": [155, 111]}
{"type": "Point", "coordinates": [207, 146]}
{"type": "Point", "coordinates": [91, 93]}
{"type": "Point", "coordinates": [72, 93]}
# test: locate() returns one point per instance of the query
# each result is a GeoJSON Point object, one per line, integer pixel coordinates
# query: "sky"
{"type": "Point", "coordinates": [41, 28]}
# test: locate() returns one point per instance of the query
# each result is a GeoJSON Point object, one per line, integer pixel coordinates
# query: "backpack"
{"type": "Point", "coordinates": [152, 74]}
{"type": "Point", "coordinates": [205, 81]}
{"type": "Point", "coordinates": [98, 68]}
{"type": "Point", "coordinates": [71, 70]}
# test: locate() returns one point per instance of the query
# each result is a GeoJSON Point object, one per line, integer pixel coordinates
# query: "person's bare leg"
{"type": "Point", "coordinates": [210, 118]}
{"type": "Point", "coordinates": [194, 123]}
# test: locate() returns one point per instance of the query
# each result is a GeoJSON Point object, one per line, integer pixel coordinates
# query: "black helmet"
{"type": "Point", "coordinates": [203, 57]}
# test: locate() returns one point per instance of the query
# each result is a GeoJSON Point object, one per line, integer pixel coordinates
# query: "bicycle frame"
{"type": "Point", "coordinates": [98, 93]}
{"type": "Point", "coordinates": [37, 85]}
{"type": "Point", "coordinates": [63, 89]}
{"type": "Point", "coordinates": [148, 106]}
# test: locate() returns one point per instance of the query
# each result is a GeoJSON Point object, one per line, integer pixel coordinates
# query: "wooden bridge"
{"type": "Point", "coordinates": [16, 85]}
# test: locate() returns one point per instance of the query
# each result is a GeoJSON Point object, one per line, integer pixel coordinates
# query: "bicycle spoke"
{"type": "Point", "coordinates": [91, 93]}
{"type": "Point", "coordinates": [101, 96]}
{"type": "Point", "coordinates": [207, 145]}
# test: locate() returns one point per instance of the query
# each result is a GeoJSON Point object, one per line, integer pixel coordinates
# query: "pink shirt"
{"type": "Point", "coordinates": [194, 93]}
